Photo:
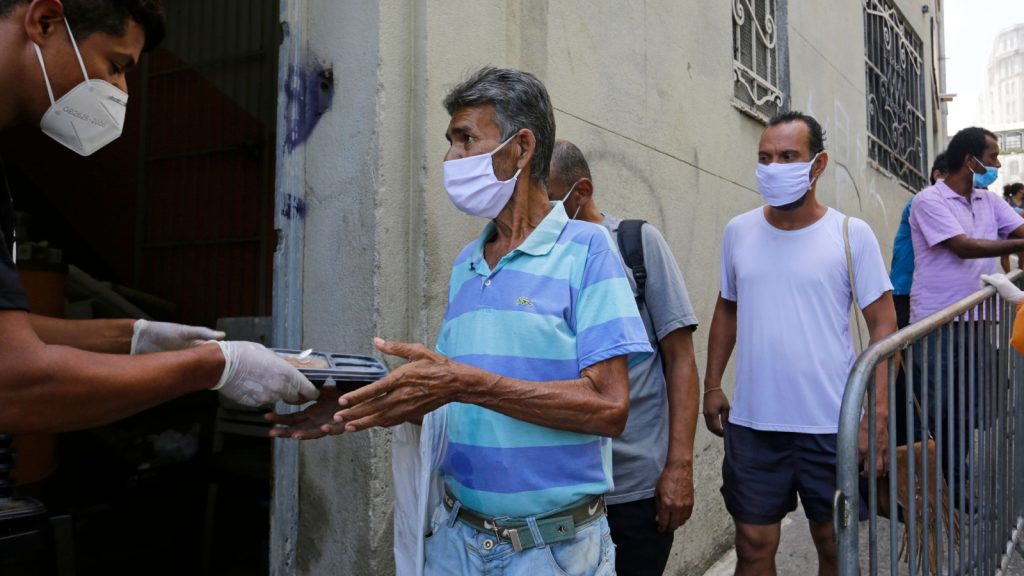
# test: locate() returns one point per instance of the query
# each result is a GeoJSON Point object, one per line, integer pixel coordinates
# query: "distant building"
{"type": "Point", "coordinates": [1002, 102]}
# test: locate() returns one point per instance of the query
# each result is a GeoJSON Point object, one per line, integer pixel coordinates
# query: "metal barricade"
{"type": "Point", "coordinates": [956, 397]}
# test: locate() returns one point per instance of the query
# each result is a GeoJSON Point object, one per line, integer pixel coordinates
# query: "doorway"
{"type": "Point", "coordinates": [174, 220]}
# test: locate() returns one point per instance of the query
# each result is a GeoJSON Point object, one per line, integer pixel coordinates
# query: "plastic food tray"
{"type": "Point", "coordinates": [348, 372]}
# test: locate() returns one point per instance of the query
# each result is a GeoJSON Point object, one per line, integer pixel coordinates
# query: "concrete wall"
{"type": "Point", "coordinates": [644, 88]}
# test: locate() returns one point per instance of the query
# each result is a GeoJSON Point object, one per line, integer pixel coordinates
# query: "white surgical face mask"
{"type": "Point", "coordinates": [473, 186]}
{"type": "Point", "coordinates": [566, 197]}
{"type": "Point", "coordinates": [89, 116]}
{"type": "Point", "coordinates": [782, 184]}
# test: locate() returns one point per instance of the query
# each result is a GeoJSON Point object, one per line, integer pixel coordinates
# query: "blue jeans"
{"type": "Point", "coordinates": [454, 547]}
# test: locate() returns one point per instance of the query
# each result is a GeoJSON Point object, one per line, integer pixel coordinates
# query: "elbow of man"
{"type": "Point", "coordinates": [614, 422]}
{"type": "Point", "coordinates": [961, 246]}
{"type": "Point", "coordinates": [961, 250]}
{"type": "Point", "coordinates": [20, 386]}
{"type": "Point", "coordinates": [14, 421]}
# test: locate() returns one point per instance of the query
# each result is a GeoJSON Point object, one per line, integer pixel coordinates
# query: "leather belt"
{"type": "Point", "coordinates": [556, 526]}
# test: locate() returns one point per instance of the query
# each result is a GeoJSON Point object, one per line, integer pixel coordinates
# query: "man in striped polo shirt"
{"type": "Point", "coordinates": [531, 362]}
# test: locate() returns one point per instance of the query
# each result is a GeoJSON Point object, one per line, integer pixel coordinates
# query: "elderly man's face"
{"type": "Point", "coordinates": [472, 131]}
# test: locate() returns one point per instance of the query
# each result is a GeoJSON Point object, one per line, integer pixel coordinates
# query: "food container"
{"type": "Point", "coordinates": [347, 372]}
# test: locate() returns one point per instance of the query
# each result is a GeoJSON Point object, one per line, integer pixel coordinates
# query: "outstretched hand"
{"type": "Point", "coordinates": [315, 421]}
{"type": "Point", "coordinates": [426, 383]}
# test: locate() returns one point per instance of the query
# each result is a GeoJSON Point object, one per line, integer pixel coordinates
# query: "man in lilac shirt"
{"type": "Point", "coordinates": [958, 230]}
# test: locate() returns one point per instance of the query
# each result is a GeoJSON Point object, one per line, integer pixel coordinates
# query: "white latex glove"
{"type": "Point", "coordinates": [1007, 290]}
{"type": "Point", "coordinates": [148, 337]}
{"type": "Point", "coordinates": [254, 376]}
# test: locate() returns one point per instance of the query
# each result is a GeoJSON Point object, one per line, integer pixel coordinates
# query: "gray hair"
{"type": "Point", "coordinates": [520, 101]}
{"type": "Point", "coordinates": [568, 159]}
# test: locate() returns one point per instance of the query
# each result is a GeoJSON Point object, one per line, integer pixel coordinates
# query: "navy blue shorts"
{"type": "Point", "coordinates": [763, 472]}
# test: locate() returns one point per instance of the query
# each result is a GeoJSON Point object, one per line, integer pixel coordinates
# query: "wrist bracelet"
{"type": "Point", "coordinates": [712, 390]}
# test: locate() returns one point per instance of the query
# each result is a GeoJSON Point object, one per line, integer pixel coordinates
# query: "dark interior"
{"type": "Point", "coordinates": [175, 218]}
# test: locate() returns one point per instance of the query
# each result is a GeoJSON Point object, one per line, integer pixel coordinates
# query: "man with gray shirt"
{"type": "Point", "coordinates": [653, 458]}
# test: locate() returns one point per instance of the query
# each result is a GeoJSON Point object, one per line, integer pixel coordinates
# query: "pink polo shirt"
{"type": "Point", "coordinates": [938, 214]}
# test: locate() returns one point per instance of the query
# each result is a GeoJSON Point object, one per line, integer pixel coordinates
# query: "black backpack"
{"type": "Point", "coordinates": [631, 245]}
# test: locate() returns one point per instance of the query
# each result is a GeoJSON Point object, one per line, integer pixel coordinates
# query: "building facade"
{"type": "Point", "coordinates": [1002, 102]}
{"type": "Point", "coordinates": [667, 100]}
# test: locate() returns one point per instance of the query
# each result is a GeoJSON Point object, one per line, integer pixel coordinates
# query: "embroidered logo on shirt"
{"type": "Point", "coordinates": [524, 301]}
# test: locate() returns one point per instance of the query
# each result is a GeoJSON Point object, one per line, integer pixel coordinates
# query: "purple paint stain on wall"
{"type": "Point", "coordinates": [309, 91]}
{"type": "Point", "coordinates": [294, 207]}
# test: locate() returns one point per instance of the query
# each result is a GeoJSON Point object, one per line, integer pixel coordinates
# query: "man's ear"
{"type": "Point", "coordinates": [526, 144]}
{"type": "Point", "coordinates": [585, 188]}
{"type": "Point", "coordinates": [819, 165]}
{"type": "Point", "coordinates": [970, 162]}
{"type": "Point", "coordinates": [43, 20]}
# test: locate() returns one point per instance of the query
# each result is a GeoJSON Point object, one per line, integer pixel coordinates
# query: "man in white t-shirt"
{"type": "Point", "coordinates": [784, 305]}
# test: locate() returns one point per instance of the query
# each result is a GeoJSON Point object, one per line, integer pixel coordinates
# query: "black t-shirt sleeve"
{"type": "Point", "coordinates": [12, 296]}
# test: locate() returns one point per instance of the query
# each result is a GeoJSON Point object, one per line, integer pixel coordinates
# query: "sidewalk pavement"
{"type": "Point", "coordinates": [797, 555]}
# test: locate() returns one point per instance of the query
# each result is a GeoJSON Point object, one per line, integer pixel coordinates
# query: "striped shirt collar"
{"type": "Point", "coordinates": [538, 243]}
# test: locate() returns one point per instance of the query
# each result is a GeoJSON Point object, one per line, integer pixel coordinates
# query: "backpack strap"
{"type": "Point", "coordinates": [631, 245]}
{"type": "Point", "coordinates": [853, 285]}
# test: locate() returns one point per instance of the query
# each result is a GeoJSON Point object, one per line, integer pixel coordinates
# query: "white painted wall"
{"type": "Point", "coordinates": [644, 88]}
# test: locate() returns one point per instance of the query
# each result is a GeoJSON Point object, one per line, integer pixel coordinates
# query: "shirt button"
{"type": "Point", "coordinates": [487, 282]}
{"type": "Point", "coordinates": [488, 544]}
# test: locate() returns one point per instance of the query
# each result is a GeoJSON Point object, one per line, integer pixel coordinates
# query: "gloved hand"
{"type": "Point", "coordinates": [254, 376]}
{"type": "Point", "coordinates": [1007, 290]}
{"type": "Point", "coordinates": [150, 337]}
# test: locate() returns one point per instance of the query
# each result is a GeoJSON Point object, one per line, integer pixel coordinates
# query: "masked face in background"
{"type": "Point", "coordinates": [784, 184]}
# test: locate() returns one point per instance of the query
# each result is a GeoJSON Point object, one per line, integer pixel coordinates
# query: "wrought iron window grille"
{"type": "Point", "coordinates": [759, 57]}
{"type": "Point", "coordinates": [897, 122]}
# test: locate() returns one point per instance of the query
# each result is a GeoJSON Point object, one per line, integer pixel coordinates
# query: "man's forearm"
{"type": "Point", "coordinates": [59, 388]}
{"type": "Point", "coordinates": [721, 341]}
{"type": "Point", "coordinates": [682, 423]}
{"type": "Point", "coordinates": [881, 385]}
{"type": "Point", "coordinates": [682, 391]}
{"type": "Point", "coordinates": [107, 336]}
{"type": "Point", "coordinates": [597, 403]}
{"type": "Point", "coordinates": [881, 319]}
{"type": "Point", "coordinates": [968, 248]}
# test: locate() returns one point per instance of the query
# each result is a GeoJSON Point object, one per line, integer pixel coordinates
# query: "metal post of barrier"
{"type": "Point", "coordinates": [872, 471]}
{"type": "Point", "coordinates": [927, 376]}
{"type": "Point", "coordinates": [974, 456]}
{"type": "Point", "coordinates": [948, 387]}
{"type": "Point", "coordinates": [969, 384]}
{"type": "Point", "coordinates": [846, 531]}
{"type": "Point", "coordinates": [960, 414]}
{"type": "Point", "coordinates": [893, 542]}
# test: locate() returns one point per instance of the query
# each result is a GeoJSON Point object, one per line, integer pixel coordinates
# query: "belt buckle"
{"type": "Point", "coordinates": [510, 535]}
{"type": "Point", "coordinates": [493, 528]}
